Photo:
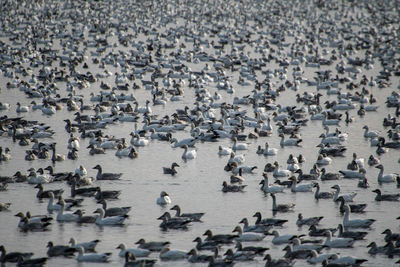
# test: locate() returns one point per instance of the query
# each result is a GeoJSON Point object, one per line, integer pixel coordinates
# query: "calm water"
{"type": "Point", "coordinates": [197, 187]}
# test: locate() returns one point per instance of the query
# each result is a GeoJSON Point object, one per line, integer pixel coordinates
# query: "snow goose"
{"type": "Point", "coordinates": [256, 228]}
{"type": "Point", "coordinates": [251, 249]}
{"type": "Point", "coordinates": [92, 257]}
{"type": "Point", "coordinates": [192, 154]}
{"type": "Point", "coordinates": [164, 199]}
{"type": "Point", "coordinates": [267, 151]}
{"type": "Point", "coordinates": [224, 151]}
{"type": "Point", "coordinates": [337, 242]}
{"type": "Point", "coordinates": [137, 252]}
{"type": "Point", "coordinates": [301, 187]}
{"type": "Point", "coordinates": [192, 216]}
{"type": "Point", "coordinates": [88, 246]}
{"type": "Point", "coordinates": [308, 221]}
{"type": "Point", "coordinates": [387, 178]}
{"type": "Point", "coordinates": [59, 250]}
{"type": "Point", "coordinates": [268, 221]}
{"type": "Point", "coordinates": [270, 189]}
{"type": "Point", "coordinates": [239, 256]}
{"type": "Point", "coordinates": [357, 223]}
{"type": "Point", "coordinates": [247, 237]}
{"type": "Point", "coordinates": [289, 142]}
{"type": "Point", "coordinates": [115, 211]}
{"type": "Point", "coordinates": [66, 217]}
{"type": "Point", "coordinates": [279, 172]}
{"type": "Point", "coordinates": [239, 159]}
{"type": "Point", "coordinates": [136, 140]}
{"type": "Point", "coordinates": [115, 220]}
{"type": "Point", "coordinates": [105, 175]}
{"type": "Point", "coordinates": [323, 159]}
{"type": "Point", "coordinates": [194, 257]}
{"type": "Point", "coordinates": [321, 195]}
{"type": "Point", "coordinates": [347, 197]}
{"type": "Point", "coordinates": [353, 207]}
{"type": "Point", "coordinates": [318, 258]}
{"type": "Point", "coordinates": [385, 197]}
{"type": "Point", "coordinates": [356, 235]}
{"type": "Point", "coordinates": [281, 207]}
{"type": "Point", "coordinates": [346, 260]}
{"type": "Point", "coordinates": [152, 245]}
{"type": "Point", "coordinates": [359, 174]}
{"type": "Point", "coordinates": [369, 134]}
{"type": "Point", "coordinates": [372, 160]}
{"type": "Point", "coordinates": [131, 261]}
{"type": "Point", "coordinates": [188, 141]}
{"type": "Point", "coordinates": [277, 262]}
{"type": "Point", "coordinates": [238, 146]}
{"type": "Point", "coordinates": [167, 254]}
{"type": "Point", "coordinates": [232, 188]}
{"type": "Point", "coordinates": [281, 239]}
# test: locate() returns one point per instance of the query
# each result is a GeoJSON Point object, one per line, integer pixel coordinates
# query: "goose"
{"type": "Point", "coordinates": [194, 257]}
{"type": "Point", "coordinates": [171, 170]}
{"type": "Point", "coordinates": [232, 188]}
{"type": "Point", "coordinates": [164, 199]}
{"type": "Point", "coordinates": [106, 175]}
{"type": "Point", "coordinates": [387, 178]}
{"type": "Point", "coordinates": [337, 242]}
{"type": "Point", "coordinates": [95, 150]}
{"type": "Point", "coordinates": [269, 151]}
{"type": "Point", "coordinates": [192, 154]}
{"type": "Point", "coordinates": [92, 257]}
{"type": "Point", "coordinates": [321, 195]}
{"type": "Point", "coordinates": [369, 134]}
{"type": "Point", "coordinates": [237, 178]}
{"type": "Point", "coordinates": [6, 156]}
{"type": "Point", "coordinates": [46, 194]}
{"type": "Point", "coordinates": [356, 235]}
{"type": "Point", "coordinates": [152, 245]}
{"type": "Point", "coordinates": [224, 151]}
{"type": "Point", "coordinates": [359, 174]}
{"type": "Point", "coordinates": [347, 223]}
{"type": "Point", "coordinates": [239, 256]}
{"type": "Point", "coordinates": [56, 207]}
{"type": "Point", "coordinates": [335, 151]}
{"type": "Point", "coordinates": [205, 245]}
{"type": "Point", "coordinates": [346, 260]}
{"type": "Point", "coordinates": [166, 254]}
{"type": "Point", "coordinates": [106, 194]}
{"type": "Point", "coordinates": [268, 221]}
{"type": "Point", "coordinates": [56, 157]}
{"type": "Point", "coordinates": [326, 176]}
{"type": "Point", "coordinates": [238, 146]}
{"type": "Point", "coordinates": [192, 216]}
{"type": "Point", "coordinates": [279, 172]}
{"type": "Point", "coordinates": [138, 141]}
{"type": "Point", "coordinates": [332, 140]}
{"type": "Point", "coordinates": [314, 231]}
{"type": "Point", "coordinates": [59, 250]}
{"type": "Point", "coordinates": [297, 245]}
{"type": "Point", "coordinates": [326, 121]}
{"type": "Point", "coordinates": [256, 228]}
{"type": "Point", "coordinates": [131, 261]}
{"type": "Point", "coordinates": [239, 159]}
{"type": "Point", "coordinates": [84, 219]}
{"type": "Point", "coordinates": [318, 258]}
{"type": "Point", "coordinates": [359, 161]}
{"type": "Point", "coordinates": [363, 183]}
{"type": "Point", "coordinates": [190, 142]}
{"type": "Point", "coordinates": [219, 238]}
{"type": "Point", "coordinates": [115, 211]}
{"type": "Point", "coordinates": [281, 239]}
{"type": "Point", "coordinates": [247, 237]}
{"type": "Point", "coordinates": [353, 207]}
{"type": "Point", "coordinates": [372, 161]}
{"type": "Point", "coordinates": [301, 187]}
{"type": "Point", "coordinates": [390, 236]}
{"type": "Point", "coordinates": [87, 246]}
{"type": "Point", "coordinates": [346, 197]}
{"type": "Point", "coordinates": [250, 249]}
{"type": "Point", "coordinates": [243, 169]}
{"type": "Point", "coordinates": [13, 256]}
{"type": "Point", "coordinates": [270, 189]}
{"type": "Point", "coordinates": [66, 217]}
{"type": "Point", "coordinates": [385, 197]}
{"type": "Point", "coordinates": [323, 160]}
{"type": "Point", "coordinates": [36, 224]}
{"type": "Point", "coordinates": [289, 142]}
{"type": "Point", "coordinates": [277, 262]}
{"type": "Point", "coordinates": [115, 220]}
{"type": "Point", "coordinates": [308, 221]}
{"type": "Point", "coordinates": [374, 249]}
{"type": "Point", "coordinates": [22, 109]}
{"type": "Point", "coordinates": [83, 191]}
{"type": "Point", "coordinates": [137, 252]}
{"type": "Point", "coordinates": [281, 207]}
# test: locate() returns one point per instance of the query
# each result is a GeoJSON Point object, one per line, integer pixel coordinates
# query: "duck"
{"type": "Point", "coordinates": [106, 175]}
{"type": "Point", "coordinates": [266, 188]}
{"type": "Point", "coordinates": [281, 207]}
{"type": "Point", "coordinates": [115, 211]}
{"type": "Point", "coordinates": [385, 197]}
{"type": "Point", "coordinates": [115, 220]}
{"type": "Point", "coordinates": [164, 199]}
{"type": "Point", "coordinates": [92, 257]}
{"type": "Point", "coordinates": [13, 256]}
{"type": "Point", "coordinates": [321, 195]}
{"type": "Point", "coordinates": [247, 237]}
{"type": "Point", "coordinates": [387, 178]}
{"type": "Point", "coordinates": [359, 223]}
{"type": "Point", "coordinates": [192, 216]}
{"type": "Point", "coordinates": [137, 252]}
{"type": "Point", "coordinates": [372, 160]}
{"type": "Point", "coordinates": [337, 242]}
{"type": "Point", "coordinates": [308, 221]}
{"type": "Point", "coordinates": [59, 250]}
{"type": "Point", "coordinates": [131, 261]}
{"type": "Point", "coordinates": [268, 221]}
{"type": "Point", "coordinates": [171, 170]}
{"type": "Point", "coordinates": [356, 235]}
{"type": "Point", "coordinates": [152, 245]}
{"type": "Point", "coordinates": [301, 187]}
{"type": "Point", "coordinates": [346, 197]}
{"type": "Point", "coordinates": [289, 142]}
{"type": "Point", "coordinates": [187, 155]}
{"type": "Point", "coordinates": [87, 246]}
{"type": "Point", "coordinates": [166, 254]}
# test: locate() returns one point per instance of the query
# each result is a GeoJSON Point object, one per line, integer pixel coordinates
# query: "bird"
{"type": "Point", "coordinates": [337, 242]}
{"type": "Point", "coordinates": [346, 197]}
{"type": "Point", "coordinates": [107, 194]}
{"type": "Point", "coordinates": [195, 257]}
{"type": "Point", "coordinates": [270, 189]}
{"type": "Point", "coordinates": [87, 246]}
{"type": "Point", "coordinates": [321, 195]}
{"type": "Point", "coordinates": [248, 236]}
{"type": "Point", "coordinates": [356, 223]}
{"type": "Point", "coordinates": [385, 197]}
{"type": "Point", "coordinates": [137, 252]}
{"type": "Point", "coordinates": [92, 257]}
{"type": "Point", "coordinates": [387, 178]}
{"type": "Point", "coordinates": [232, 188]}
{"type": "Point", "coordinates": [131, 261]}
{"type": "Point", "coordinates": [268, 221]}
{"type": "Point", "coordinates": [152, 245]}
{"type": "Point", "coordinates": [300, 187]}
{"type": "Point", "coordinates": [256, 228]}
{"type": "Point", "coordinates": [219, 238]}
{"type": "Point", "coordinates": [46, 194]}
{"type": "Point", "coordinates": [308, 221]}
{"type": "Point", "coordinates": [192, 216]}
{"type": "Point", "coordinates": [13, 256]}
{"type": "Point", "coordinates": [314, 231]}
{"type": "Point", "coordinates": [166, 254]}
{"type": "Point", "coordinates": [115, 220]}
{"type": "Point", "coordinates": [173, 223]}
{"type": "Point", "coordinates": [59, 250]}
{"type": "Point", "coordinates": [353, 207]}
{"type": "Point", "coordinates": [281, 207]}
{"type": "Point", "coordinates": [115, 211]}
{"type": "Point", "coordinates": [356, 235]}
{"type": "Point", "coordinates": [106, 175]}
{"type": "Point", "coordinates": [171, 170]}
{"type": "Point", "coordinates": [192, 154]}
{"type": "Point", "coordinates": [164, 199]}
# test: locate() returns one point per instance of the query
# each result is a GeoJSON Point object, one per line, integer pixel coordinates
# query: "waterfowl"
{"type": "Point", "coordinates": [387, 178]}
{"type": "Point", "coordinates": [316, 258]}
{"type": "Point", "coordinates": [296, 254]}
{"type": "Point", "coordinates": [59, 250]}
{"type": "Point", "coordinates": [106, 194]}
{"type": "Point", "coordinates": [192, 216]}
{"type": "Point", "coordinates": [280, 172]}
{"type": "Point", "coordinates": [192, 154]}
{"type": "Point", "coordinates": [337, 242]}
{"type": "Point", "coordinates": [56, 157]}
{"type": "Point", "coordinates": [270, 189]}
{"type": "Point", "coordinates": [138, 141]}
{"type": "Point", "coordinates": [164, 199]}
{"type": "Point", "coordinates": [277, 262]}
{"type": "Point", "coordinates": [171, 170]}
{"type": "Point", "coordinates": [335, 151]}
{"type": "Point", "coordinates": [374, 249]}
{"type": "Point", "coordinates": [137, 252]}
{"type": "Point", "coordinates": [106, 175]}
{"type": "Point", "coordinates": [369, 134]}
{"type": "Point", "coordinates": [219, 238]}
{"type": "Point", "coordinates": [359, 223]}
{"type": "Point", "coordinates": [281, 207]}
{"type": "Point", "coordinates": [326, 176]}
{"type": "Point", "coordinates": [224, 151]}
{"type": "Point", "coordinates": [37, 262]}
{"type": "Point", "coordinates": [65, 217]}
{"type": "Point", "coordinates": [385, 197]}
{"type": "Point", "coordinates": [21, 109]}
{"type": "Point", "coordinates": [195, 257]}
{"type": "Point", "coordinates": [5, 156]}
{"type": "Point", "coordinates": [239, 159]}
{"type": "Point", "coordinates": [359, 174]}
{"type": "Point", "coordinates": [267, 151]}
{"type": "Point", "coordinates": [386, 145]}
{"type": "Point", "coordinates": [302, 176]}
{"type": "Point", "coordinates": [239, 256]}
{"type": "Point", "coordinates": [13, 256]}
{"type": "Point", "coordinates": [353, 207]}
{"type": "Point", "coordinates": [95, 150]}
{"type": "Point", "coordinates": [298, 245]}
{"type": "Point", "coordinates": [314, 231]}
{"type": "Point", "coordinates": [346, 260]}
{"type": "Point", "coordinates": [321, 195]}
{"type": "Point", "coordinates": [300, 187]}
{"type": "Point", "coordinates": [131, 261]}
{"type": "Point", "coordinates": [83, 191]}
{"type": "Point", "coordinates": [289, 142]}
{"type": "Point", "coordinates": [268, 221]}
{"type": "Point", "coordinates": [232, 188]}
{"type": "Point", "coordinates": [251, 249]}
{"type": "Point", "coordinates": [247, 237]}
{"type": "Point", "coordinates": [308, 221]}
{"type": "Point", "coordinates": [356, 235]}
{"type": "Point", "coordinates": [166, 254]}
{"type": "Point", "coordinates": [238, 178]}
{"type": "Point", "coordinates": [46, 194]}
{"type": "Point", "coordinates": [84, 219]}
{"type": "Point", "coordinates": [115, 220]}
{"type": "Point", "coordinates": [87, 246]}
{"type": "Point", "coordinates": [152, 245]}
{"type": "Point", "coordinates": [115, 211]}
{"type": "Point", "coordinates": [363, 183]}
{"type": "Point", "coordinates": [92, 257]}
{"type": "Point", "coordinates": [238, 146]}
{"type": "Point", "coordinates": [256, 228]}
{"type": "Point", "coordinates": [346, 197]}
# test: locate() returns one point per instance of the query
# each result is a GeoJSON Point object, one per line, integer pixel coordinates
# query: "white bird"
{"type": "Point", "coordinates": [387, 178]}
{"type": "Point", "coordinates": [318, 258]}
{"type": "Point", "coordinates": [356, 223]}
{"type": "Point", "coordinates": [88, 246]}
{"type": "Point", "coordinates": [66, 217]}
{"type": "Point", "coordinates": [247, 237]}
{"type": "Point", "coordinates": [92, 257]}
{"type": "Point", "coordinates": [136, 140]}
{"type": "Point", "coordinates": [22, 108]}
{"type": "Point", "coordinates": [301, 187]}
{"type": "Point", "coordinates": [192, 154]}
{"type": "Point", "coordinates": [369, 134]}
{"type": "Point", "coordinates": [346, 197]}
{"type": "Point", "coordinates": [269, 151]}
{"type": "Point", "coordinates": [187, 141]}
{"type": "Point", "coordinates": [281, 239]}
{"type": "Point", "coordinates": [164, 199]}
{"type": "Point", "coordinates": [238, 146]}
{"type": "Point", "coordinates": [337, 242]}
{"type": "Point", "coordinates": [289, 142]}
{"type": "Point", "coordinates": [224, 151]}
{"type": "Point", "coordinates": [270, 189]}
{"type": "Point", "coordinates": [114, 220]}
{"type": "Point", "coordinates": [346, 260]}
{"type": "Point", "coordinates": [167, 254]}
{"type": "Point", "coordinates": [137, 252]}
{"type": "Point", "coordinates": [280, 172]}
{"type": "Point", "coordinates": [239, 159]}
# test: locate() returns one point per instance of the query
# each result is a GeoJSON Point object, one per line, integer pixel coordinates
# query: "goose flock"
{"type": "Point", "coordinates": [136, 133]}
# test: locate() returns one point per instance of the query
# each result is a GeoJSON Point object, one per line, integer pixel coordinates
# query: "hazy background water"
{"type": "Point", "coordinates": [197, 187]}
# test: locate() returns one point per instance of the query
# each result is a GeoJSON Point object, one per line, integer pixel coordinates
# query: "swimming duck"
{"type": "Point", "coordinates": [385, 197]}
{"type": "Point", "coordinates": [347, 223]}
{"type": "Point", "coordinates": [106, 176]}
{"type": "Point", "coordinates": [88, 246]}
{"type": "Point", "coordinates": [164, 199]}
{"type": "Point", "coordinates": [281, 207]}
{"type": "Point", "coordinates": [387, 178]}
{"type": "Point", "coordinates": [308, 221]}
{"type": "Point", "coordinates": [92, 257]}
{"type": "Point", "coordinates": [171, 170]}
{"type": "Point", "coordinates": [192, 216]}
{"type": "Point", "coordinates": [137, 252]}
{"type": "Point", "coordinates": [115, 220]}
{"type": "Point", "coordinates": [270, 189]}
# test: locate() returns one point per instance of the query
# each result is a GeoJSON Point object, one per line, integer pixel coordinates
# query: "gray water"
{"type": "Point", "coordinates": [197, 186]}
